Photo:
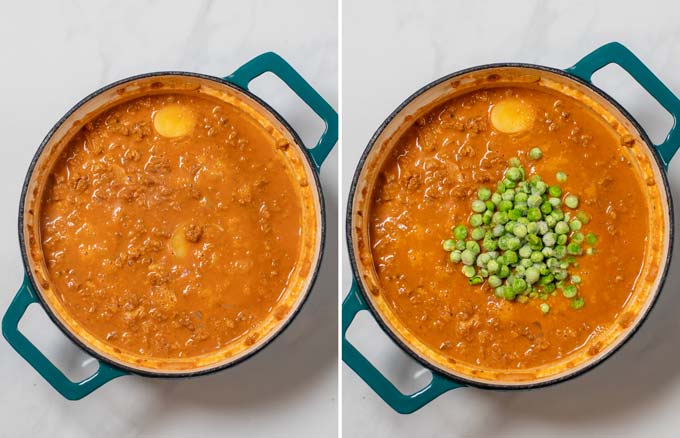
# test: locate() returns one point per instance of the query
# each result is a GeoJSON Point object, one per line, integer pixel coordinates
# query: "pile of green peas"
{"type": "Point", "coordinates": [520, 241]}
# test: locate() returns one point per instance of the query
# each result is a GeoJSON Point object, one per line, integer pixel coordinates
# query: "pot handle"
{"type": "Point", "coordinates": [618, 54]}
{"type": "Point", "coordinates": [273, 63]}
{"type": "Point", "coordinates": [10, 330]}
{"type": "Point", "coordinates": [402, 403]}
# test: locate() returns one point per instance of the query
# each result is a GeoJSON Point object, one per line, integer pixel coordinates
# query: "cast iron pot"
{"type": "Point", "coordinates": [578, 77]}
{"type": "Point", "coordinates": [235, 84]}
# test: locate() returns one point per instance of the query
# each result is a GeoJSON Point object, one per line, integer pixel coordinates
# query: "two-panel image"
{"type": "Point", "coordinates": [339, 218]}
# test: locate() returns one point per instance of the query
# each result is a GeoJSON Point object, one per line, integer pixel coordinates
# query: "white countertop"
{"type": "Point", "coordinates": [55, 53]}
{"type": "Point", "coordinates": [391, 49]}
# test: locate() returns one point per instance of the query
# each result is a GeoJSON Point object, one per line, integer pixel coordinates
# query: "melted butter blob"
{"type": "Point", "coordinates": [174, 121]}
{"type": "Point", "coordinates": [512, 116]}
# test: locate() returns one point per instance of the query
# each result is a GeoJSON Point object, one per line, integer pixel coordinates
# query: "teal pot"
{"type": "Point", "coordinates": [577, 77]}
{"type": "Point", "coordinates": [236, 83]}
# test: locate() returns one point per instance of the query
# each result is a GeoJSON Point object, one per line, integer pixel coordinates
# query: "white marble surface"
{"type": "Point", "coordinates": [392, 48]}
{"type": "Point", "coordinates": [53, 54]}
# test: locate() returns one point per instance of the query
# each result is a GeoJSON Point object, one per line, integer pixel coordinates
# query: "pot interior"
{"type": "Point", "coordinates": [431, 96]}
{"type": "Point", "coordinates": [299, 168]}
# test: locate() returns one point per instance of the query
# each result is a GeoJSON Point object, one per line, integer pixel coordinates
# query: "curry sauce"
{"type": "Point", "coordinates": [171, 225]}
{"type": "Point", "coordinates": [425, 187]}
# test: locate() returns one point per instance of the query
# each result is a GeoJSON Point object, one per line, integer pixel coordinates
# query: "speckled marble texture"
{"type": "Point", "coordinates": [55, 53]}
{"type": "Point", "coordinates": [391, 49]}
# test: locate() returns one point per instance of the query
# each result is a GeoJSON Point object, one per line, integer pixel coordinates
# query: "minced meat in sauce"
{"type": "Point", "coordinates": [170, 245]}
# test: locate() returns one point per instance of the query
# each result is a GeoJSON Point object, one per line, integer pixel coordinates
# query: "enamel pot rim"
{"type": "Point", "coordinates": [313, 274]}
{"type": "Point", "coordinates": [490, 385]}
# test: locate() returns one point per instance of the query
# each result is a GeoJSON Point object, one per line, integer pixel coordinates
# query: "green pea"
{"type": "Point", "coordinates": [509, 294]}
{"type": "Point", "coordinates": [498, 230]}
{"type": "Point", "coordinates": [514, 214]}
{"type": "Point", "coordinates": [484, 194]}
{"type": "Point", "coordinates": [569, 291]}
{"type": "Point", "coordinates": [540, 188]}
{"type": "Point", "coordinates": [483, 259]}
{"type": "Point", "coordinates": [492, 266]}
{"type": "Point", "coordinates": [514, 243]}
{"type": "Point", "coordinates": [510, 257]}
{"type": "Point", "coordinates": [477, 234]}
{"type": "Point", "coordinates": [475, 220]}
{"type": "Point", "coordinates": [460, 245]}
{"type": "Point", "coordinates": [532, 228]}
{"type": "Point", "coordinates": [514, 174]}
{"type": "Point", "coordinates": [486, 217]}
{"type": "Point", "coordinates": [560, 251]}
{"type": "Point", "coordinates": [555, 191]}
{"type": "Point", "coordinates": [591, 238]}
{"type": "Point", "coordinates": [534, 201]}
{"type": "Point", "coordinates": [578, 237]}
{"type": "Point", "coordinates": [518, 285]}
{"type": "Point", "coordinates": [460, 232]}
{"type": "Point", "coordinates": [449, 245]}
{"type": "Point", "coordinates": [551, 221]}
{"type": "Point", "coordinates": [504, 271]}
{"type": "Point", "coordinates": [571, 201]}
{"type": "Point", "coordinates": [549, 239]}
{"type": "Point", "coordinates": [574, 248]}
{"type": "Point", "coordinates": [467, 257]}
{"type": "Point", "coordinates": [576, 279]}
{"type": "Point", "coordinates": [489, 243]}
{"type": "Point", "coordinates": [509, 226]}
{"type": "Point", "coordinates": [554, 202]}
{"type": "Point", "coordinates": [503, 242]}
{"type": "Point", "coordinates": [545, 308]}
{"type": "Point", "coordinates": [575, 225]}
{"type": "Point", "coordinates": [532, 275]}
{"type": "Point", "coordinates": [561, 176]}
{"type": "Point", "coordinates": [514, 162]}
{"type": "Point", "coordinates": [455, 256]}
{"type": "Point", "coordinates": [490, 206]}
{"type": "Point", "coordinates": [468, 271]}
{"type": "Point", "coordinates": [496, 198]}
{"type": "Point", "coordinates": [557, 214]}
{"type": "Point", "coordinates": [561, 227]}
{"type": "Point", "coordinates": [535, 242]}
{"type": "Point", "coordinates": [562, 239]}
{"type": "Point", "coordinates": [472, 246]}
{"type": "Point", "coordinates": [519, 270]}
{"type": "Point", "coordinates": [505, 205]}
{"type": "Point", "coordinates": [537, 256]}
{"type": "Point", "coordinates": [500, 217]}
{"type": "Point", "coordinates": [521, 197]}
{"type": "Point", "coordinates": [495, 281]}
{"type": "Point", "coordinates": [546, 208]}
{"type": "Point", "coordinates": [525, 252]}
{"type": "Point", "coordinates": [519, 230]}
{"type": "Point", "coordinates": [534, 214]}
{"type": "Point", "coordinates": [478, 206]}
{"type": "Point", "coordinates": [577, 303]}
{"type": "Point", "coordinates": [535, 153]}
